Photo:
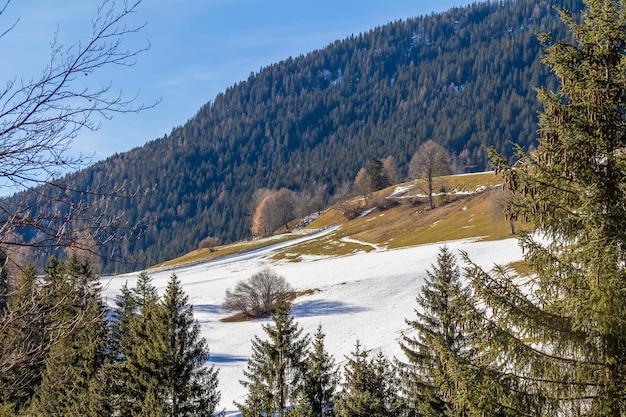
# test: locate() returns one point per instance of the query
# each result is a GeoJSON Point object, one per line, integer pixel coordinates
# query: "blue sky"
{"type": "Point", "coordinates": [199, 48]}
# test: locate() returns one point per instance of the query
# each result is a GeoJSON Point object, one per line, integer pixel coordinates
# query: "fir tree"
{"type": "Point", "coordinates": [275, 370]}
{"type": "Point", "coordinates": [378, 175]}
{"type": "Point", "coordinates": [320, 379]}
{"type": "Point", "coordinates": [114, 378]}
{"type": "Point", "coordinates": [560, 329]}
{"type": "Point", "coordinates": [370, 387]}
{"type": "Point", "coordinates": [73, 362]}
{"type": "Point", "coordinates": [23, 343]}
{"type": "Point", "coordinates": [439, 345]}
{"type": "Point", "coordinates": [123, 312]}
{"type": "Point", "coordinates": [166, 366]}
{"type": "Point", "coordinates": [128, 333]}
{"type": "Point", "coordinates": [144, 292]}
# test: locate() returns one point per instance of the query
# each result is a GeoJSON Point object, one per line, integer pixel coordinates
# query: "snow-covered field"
{"type": "Point", "coordinates": [364, 296]}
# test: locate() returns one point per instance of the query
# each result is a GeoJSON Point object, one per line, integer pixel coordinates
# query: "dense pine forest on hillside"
{"type": "Point", "coordinates": [464, 78]}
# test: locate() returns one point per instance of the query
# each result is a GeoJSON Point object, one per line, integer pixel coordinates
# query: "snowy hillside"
{"type": "Point", "coordinates": [364, 296]}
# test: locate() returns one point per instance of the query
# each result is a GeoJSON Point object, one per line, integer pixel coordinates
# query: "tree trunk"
{"type": "Point", "coordinates": [430, 190]}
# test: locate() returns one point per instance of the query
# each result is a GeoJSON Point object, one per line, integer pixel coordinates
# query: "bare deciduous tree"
{"type": "Point", "coordinates": [40, 118]}
{"type": "Point", "coordinates": [390, 167]}
{"type": "Point", "coordinates": [257, 295]}
{"type": "Point", "coordinates": [502, 206]}
{"type": "Point", "coordinates": [284, 202]}
{"type": "Point", "coordinates": [311, 201]}
{"type": "Point", "coordinates": [209, 242]}
{"type": "Point", "coordinates": [430, 160]}
{"type": "Point", "coordinates": [85, 247]}
{"type": "Point", "coordinates": [342, 192]}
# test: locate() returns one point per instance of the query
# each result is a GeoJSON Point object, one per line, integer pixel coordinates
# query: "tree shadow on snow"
{"type": "Point", "coordinates": [224, 358]}
{"type": "Point", "coordinates": [323, 308]}
{"type": "Point", "coordinates": [207, 308]}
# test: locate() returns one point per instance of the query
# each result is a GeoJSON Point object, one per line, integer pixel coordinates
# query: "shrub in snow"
{"type": "Point", "coordinates": [257, 295]}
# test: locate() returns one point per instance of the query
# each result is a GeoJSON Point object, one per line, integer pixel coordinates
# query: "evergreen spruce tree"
{"type": "Point", "coordinates": [275, 370]}
{"type": "Point", "coordinates": [73, 362]}
{"type": "Point", "coordinates": [128, 332]}
{"type": "Point", "coordinates": [123, 312]}
{"type": "Point", "coordinates": [143, 291]}
{"type": "Point", "coordinates": [114, 378]}
{"type": "Point", "coordinates": [370, 387]}
{"type": "Point", "coordinates": [320, 380]}
{"type": "Point", "coordinates": [23, 343]}
{"type": "Point", "coordinates": [378, 176]}
{"type": "Point", "coordinates": [167, 363]}
{"type": "Point", "coordinates": [439, 346]}
{"type": "Point", "coordinates": [137, 371]}
{"type": "Point", "coordinates": [559, 330]}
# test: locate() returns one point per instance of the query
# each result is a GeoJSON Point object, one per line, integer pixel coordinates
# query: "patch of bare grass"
{"type": "Point", "coordinates": [329, 217]}
{"type": "Point", "coordinates": [472, 217]}
{"type": "Point", "coordinates": [328, 246]}
{"type": "Point", "coordinates": [406, 221]}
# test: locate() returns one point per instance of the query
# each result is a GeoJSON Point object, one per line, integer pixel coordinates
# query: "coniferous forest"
{"type": "Point", "coordinates": [465, 79]}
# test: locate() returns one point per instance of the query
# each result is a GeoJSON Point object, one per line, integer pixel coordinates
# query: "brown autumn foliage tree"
{"type": "Point", "coordinates": [260, 219]}
{"type": "Point", "coordinates": [275, 210]}
{"type": "Point", "coordinates": [363, 184]}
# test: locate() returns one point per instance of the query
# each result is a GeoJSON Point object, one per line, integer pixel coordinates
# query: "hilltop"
{"type": "Point", "coordinates": [464, 78]}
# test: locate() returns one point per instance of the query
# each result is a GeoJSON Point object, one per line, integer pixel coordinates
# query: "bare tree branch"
{"type": "Point", "coordinates": [430, 160]}
{"type": "Point", "coordinates": [7, 30]}
{"type": "Point", "coordinates": [40, 118]}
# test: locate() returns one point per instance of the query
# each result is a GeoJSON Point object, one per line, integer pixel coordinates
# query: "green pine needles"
{"type": "Point", "coordinates": [437, 346]}
{"type": "Point", "coordinates": [275, 372]}
{"type": "Point", "coordinates": [559, 332]}
{"type": "Point", "coordinates": [60, 355]}
{"type": "Point", "coordinates": [162, 362]}
{"type": "Point", "coordinates": [370, 387]}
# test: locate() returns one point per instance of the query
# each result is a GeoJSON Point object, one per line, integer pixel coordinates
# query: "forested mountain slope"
{"type": "Point", "coordinates": [463, 78]}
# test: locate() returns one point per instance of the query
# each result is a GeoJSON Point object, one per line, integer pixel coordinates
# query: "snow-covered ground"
{"type": "Point", "coordinates": [364, 296]}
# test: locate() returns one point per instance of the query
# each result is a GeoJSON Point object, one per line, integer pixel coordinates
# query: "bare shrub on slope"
{"type": "Point", "coordinates": [257, 295]}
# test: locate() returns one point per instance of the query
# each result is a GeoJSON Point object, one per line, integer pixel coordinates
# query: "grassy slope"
{"type": "Point", "coordinates": [463, 213]}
